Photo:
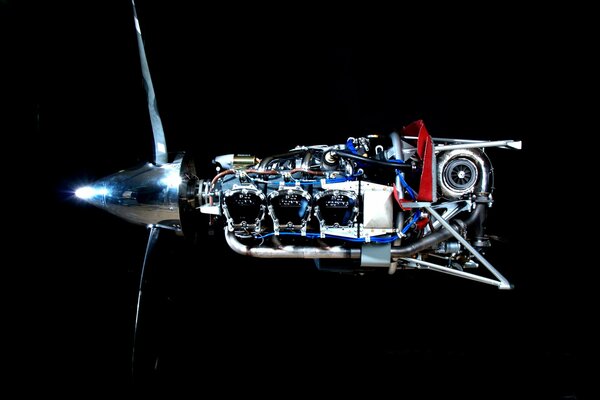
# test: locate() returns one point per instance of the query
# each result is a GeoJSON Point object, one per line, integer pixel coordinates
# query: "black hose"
{"type": "Point", "coordinates": [477, 215]}
{"type": "Point", "coordinates": [443, 234]}
{"type": "Point", "coordinates": [267, 160]}
{"type": "Point", "coordinates": [479, 224]}
{"type": "Point", "coordinates": [388, 164]}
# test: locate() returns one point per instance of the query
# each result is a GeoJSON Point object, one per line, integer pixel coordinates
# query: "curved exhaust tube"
{"type": "Point", "coordinates": [339, 252]}
{"type": "Point", "coordinates": [439, 236]}
{"type": "Point", "coordinates": [289, 251]}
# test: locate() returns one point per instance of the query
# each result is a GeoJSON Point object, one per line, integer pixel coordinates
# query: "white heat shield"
{"type": "Point", "coordinates": [378, 208]}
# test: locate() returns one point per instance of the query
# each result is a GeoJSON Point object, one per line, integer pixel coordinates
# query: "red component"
{"type": "Point", "coordinates": [396, 196]}
{"type": "Point", "coordinates": [400, 201]}
{"type": "Point", "coordinates": [422, 223]}
{"type": "Point", "coordinates": [425, 151]}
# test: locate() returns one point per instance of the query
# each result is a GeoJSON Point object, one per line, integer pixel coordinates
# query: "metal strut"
{"type": "Point", "coordinates": [502, 282]}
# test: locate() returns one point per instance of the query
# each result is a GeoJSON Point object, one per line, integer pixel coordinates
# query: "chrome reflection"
{"type": "Point", "coordinates": [147, 194]}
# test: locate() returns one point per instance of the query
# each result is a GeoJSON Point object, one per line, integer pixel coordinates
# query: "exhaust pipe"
{"type": "Point", "coordinates": [339, 252]}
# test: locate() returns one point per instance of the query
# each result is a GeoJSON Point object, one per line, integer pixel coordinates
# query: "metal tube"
{"type": "Point", "coordinates": [396, 145]}
{"type": "Point", "coordinates": [289, 251]}
{"type": "Point", "coordinates": [267, 160]}
{"type": "Point", "coordinates": [498, 143]}
{"type": "Point", "coordinates": [438, 236]}
{"type": "Point", "coordinates": [380, 163]}
{"type": "Point", "coordinates": [504, 284]}
{"type": "Point", "coordinates": [427, 265]}
{"type": "Point", "coordinates": [337, 252]}
{"type": "Point", "coordinates": [306, 159]}
{"type": "Point", "coordinates": [397, 148]}
{"type": "Point", "coordinates": [423, 244]}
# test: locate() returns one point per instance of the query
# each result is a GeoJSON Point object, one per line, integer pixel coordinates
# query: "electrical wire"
{"type": "Point", "coordinates": [412, 221]}
{"type": "Point", "coordinates": [410, 191]}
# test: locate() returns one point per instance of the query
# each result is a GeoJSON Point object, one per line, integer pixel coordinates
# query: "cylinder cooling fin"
{"type": "Point", "coordinates": [244, 208]}
{"type": "Point", "coordinates": [290, 208]}
{"type": "Point", "coordinates": [336, 207]}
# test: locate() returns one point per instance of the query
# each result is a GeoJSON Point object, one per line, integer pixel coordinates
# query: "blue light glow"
{"type": "Point", "coordinates": [87, 192]}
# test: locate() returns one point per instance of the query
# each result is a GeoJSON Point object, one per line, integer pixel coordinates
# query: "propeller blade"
{"type": "Point", "coordinates": [152, 238]}
{"type": "Point", "coordinates": [160, 144]}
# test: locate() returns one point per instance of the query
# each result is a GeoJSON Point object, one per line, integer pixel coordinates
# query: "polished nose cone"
{"type": "Point", "coordinates": [146, 194]}
{"type": "Point", "coordinates": [89, 192]}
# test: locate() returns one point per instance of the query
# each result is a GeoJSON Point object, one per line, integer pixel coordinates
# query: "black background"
{"type": "Point", "coordinates": [262, 81]}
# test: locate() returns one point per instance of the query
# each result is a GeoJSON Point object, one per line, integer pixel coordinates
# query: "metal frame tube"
{"type": "Point", "coordinates": [439, 268]}
{"type": "Point", "coordinates": [504, 284]}
{"type": "Point", "coordinates": [498, 143]}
